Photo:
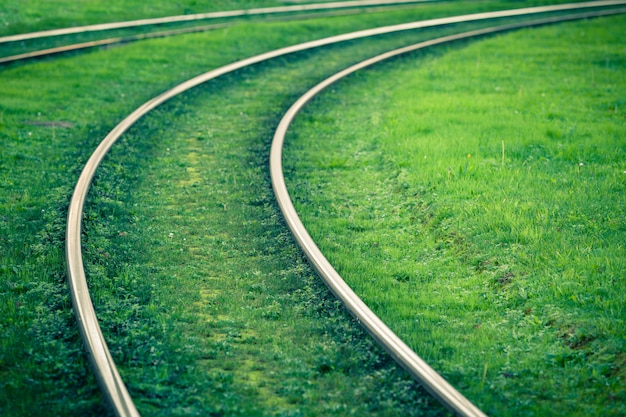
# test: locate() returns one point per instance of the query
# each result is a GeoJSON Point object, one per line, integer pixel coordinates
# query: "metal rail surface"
{"type": "Point", "coordinates": [108, 377]}
{"type": "Point", "coordinates": [407, 358]}
{"type": "Point", "coordinates": [203, 16]}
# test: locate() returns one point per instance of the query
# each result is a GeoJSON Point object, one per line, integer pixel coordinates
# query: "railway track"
{"type": "Point", "coordinates": [286, 12]}
{"type": "Point", "coordinates": [104, 367]}
{"type": "Point", "coordinates": [204, 16]}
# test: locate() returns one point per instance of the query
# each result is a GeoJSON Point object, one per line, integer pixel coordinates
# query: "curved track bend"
{"type": "Point", "coordinates": [104, 367]}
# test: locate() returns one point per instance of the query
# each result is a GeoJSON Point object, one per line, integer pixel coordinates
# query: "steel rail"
{"type": "Point", "coordinates": [107, 375]}
{"type": "Point", "coordinates": [131, 38]}
{"type": "Point", "coordinates": [105, 42]}
{"type": "Point", "coordinates": [174, 32]}
{"type": "Point", "coordinates": [405, 356]}
{"type": "Point", "coordinates": [203, 16]}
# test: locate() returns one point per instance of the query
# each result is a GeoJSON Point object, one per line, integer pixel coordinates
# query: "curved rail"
{"type": "Point", "coordinates": [407, 358]}
{"type": "Point", "coordinates": [173, 19]}
{"type": "Point", "coordinates": [203, 16]}
{"type": "Point", "coordinates": [323, 12]}
{"type": "Point", "coordinates": [104, 42]}
{"type": "Point", "coordinates": [104, 367]}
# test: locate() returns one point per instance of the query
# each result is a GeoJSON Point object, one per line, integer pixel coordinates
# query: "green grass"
{"type": "Point", "coordinates": [203, 346]}
{"type": "Point", "coordinates": [474, 196]}
{"type": "Point", "coordinates": [42, 364]}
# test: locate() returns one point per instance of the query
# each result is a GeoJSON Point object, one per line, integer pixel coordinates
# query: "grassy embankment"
{"type": "Point", "coordinates": [477, 200]}
{"type": "Point", "coordinates": [52, 115]}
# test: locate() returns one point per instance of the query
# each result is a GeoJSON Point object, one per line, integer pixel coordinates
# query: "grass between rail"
{"type": "Point", "coordinates": [477, 201]}
{"type": "Point", "coordinates": [245, 326]}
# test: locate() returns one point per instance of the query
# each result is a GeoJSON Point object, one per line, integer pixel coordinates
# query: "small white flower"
{"type": "Point", "coordinates": [580, 164]}
{"type": "Point", "coordinates": [171, 235]}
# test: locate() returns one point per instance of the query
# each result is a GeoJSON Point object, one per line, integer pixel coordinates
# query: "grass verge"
{"type": "Point", "coordinates": [476, 201]}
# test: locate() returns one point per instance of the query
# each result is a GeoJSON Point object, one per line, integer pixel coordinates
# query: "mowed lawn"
{"type": "Point", "coordinates": [475, 197]}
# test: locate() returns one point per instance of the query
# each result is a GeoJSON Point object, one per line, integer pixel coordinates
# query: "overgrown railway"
{"type": "Point", "coordinates": [104, 367]}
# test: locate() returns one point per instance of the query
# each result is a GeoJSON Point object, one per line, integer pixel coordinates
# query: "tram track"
{"type": "Point", "coordinates": [108, 377]}
{"type": "Point", "coordinates": [203, 16]}
{"type": "Point", "coordinates": [225, 19]}
{"type": "Point", "coordinates": [119, 40]}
